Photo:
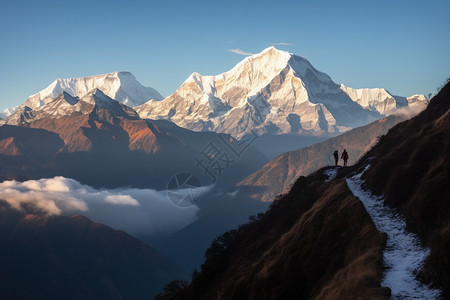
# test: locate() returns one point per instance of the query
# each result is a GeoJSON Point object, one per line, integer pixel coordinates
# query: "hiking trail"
{"type": "Point", "coordinates": [403, 256]}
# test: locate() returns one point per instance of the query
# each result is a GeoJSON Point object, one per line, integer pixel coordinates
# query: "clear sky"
{"type": "Point", "coordinates": [403, 46]}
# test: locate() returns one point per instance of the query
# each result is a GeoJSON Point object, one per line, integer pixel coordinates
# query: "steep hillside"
{"type": "Point", "coordinates": [411, 167]}
{"type": "Point", "coordinates": [278, 175]}
{"type": "Point", "coordinates": [315, 242]}
{"type": "Point", "coordinates": [56, 257]}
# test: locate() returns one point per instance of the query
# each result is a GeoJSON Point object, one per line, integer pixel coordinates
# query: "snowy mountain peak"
{"type": "Point", "coordinates": [95, 102]}
{"type": "Point", "coordinates": [272, 92]}
{"type": "Point", "coordinates": [274, 57]}
{"type": "Point", "coordinates": [270, 61]}
{"type": "Point", "coordinates": [121, 86]}
{"type": "Point", "coordinates": [96, 96]}
{"type": "Point", "coordinates": [274, 53]}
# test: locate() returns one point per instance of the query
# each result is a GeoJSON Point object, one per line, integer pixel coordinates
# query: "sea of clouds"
{"type": "Point", "coordinates": [140, 212]}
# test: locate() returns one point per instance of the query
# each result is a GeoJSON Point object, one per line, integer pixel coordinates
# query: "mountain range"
{"type": "Point", "coordinates": [102, 142]}
{"type": "Point", "coordinates": [273, 92]}
{"type": "Point", "coordinates": [275, 95]}
{"type": "Point", "coordinates": [121, 86]}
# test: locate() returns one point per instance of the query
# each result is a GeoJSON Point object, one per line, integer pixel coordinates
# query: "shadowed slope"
{"type": "Point", "coordinates": [315, 242]}
{"type": "Point", "coordinates": [411, 167]}
{"type": "Point", "coordinates": [56, 257]}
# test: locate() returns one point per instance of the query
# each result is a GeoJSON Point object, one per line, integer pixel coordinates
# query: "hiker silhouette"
{"type": "Point", "coordinates": [344, 156]}
{"type": "Point", "coordinates": [336, 157]}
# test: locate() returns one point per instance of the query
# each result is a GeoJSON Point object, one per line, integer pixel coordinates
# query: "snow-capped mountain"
{"type": "Point", "coordinates": [271, 92]}
{"type": "Point", "coordinates": [8, 111]}
{"type": "Point", "coordinates": [121, 86]}
{"type": "Point", "coordinates": [65, 105]}
{"type": "Point", "coordinates": [102, 142]}
{"type": "Point", "coordinates": [381, 100]}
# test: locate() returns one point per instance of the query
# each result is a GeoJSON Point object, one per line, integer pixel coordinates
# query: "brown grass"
{"type": "Point", "coordinates": [412, 170]}
{"type": "Point", "coordinates": [316, 242]}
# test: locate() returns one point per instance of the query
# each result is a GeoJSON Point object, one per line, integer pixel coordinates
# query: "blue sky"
{"type": "Point", "coordinates": [403, 46]}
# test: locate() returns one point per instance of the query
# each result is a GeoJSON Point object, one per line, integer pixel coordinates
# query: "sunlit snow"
{"type": "Point", "coordinates": [403, 255]}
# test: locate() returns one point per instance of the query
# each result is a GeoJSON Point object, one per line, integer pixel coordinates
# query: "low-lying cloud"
{"type": "Point", "coordinates": [58, 195]}
{"type": "Point", "coordinates": [409, 111]}
{"type": "Point", "coordinates": [143, 212]}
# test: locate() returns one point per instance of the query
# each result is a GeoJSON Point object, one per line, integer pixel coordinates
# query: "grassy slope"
{"type": "Point", "coordinates": [317, 241]}
{"type": "Point", "coordinates": [412, 169]}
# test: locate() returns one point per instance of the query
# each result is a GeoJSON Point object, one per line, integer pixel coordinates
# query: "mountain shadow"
{"type": "Point", "coordinates": [33, 143]}
{"type": "Point", "coordinates": [58, 257]}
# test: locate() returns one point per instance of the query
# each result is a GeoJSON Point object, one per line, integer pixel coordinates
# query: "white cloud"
{"type": "Point", "coordinates": [409, 111]}
{"type": "Point", "coordinates": [240, 52]}
{"type": "Point", "coordinates": [282, 44]}
{"type": "Point", "coordinates": [142, 212]}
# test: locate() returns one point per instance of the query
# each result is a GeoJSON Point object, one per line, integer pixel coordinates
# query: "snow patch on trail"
{"type": "Point", "coordinates": [331, 173]}
{"type": "Point", "coordinates": [403, 255]}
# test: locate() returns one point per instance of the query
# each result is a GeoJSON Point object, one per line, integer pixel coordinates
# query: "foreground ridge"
{"type": "Point", "coordinates": [403, 255]}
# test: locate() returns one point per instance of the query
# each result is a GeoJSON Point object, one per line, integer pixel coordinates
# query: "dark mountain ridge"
{"type": "Point", "coordinates": [58, 257]}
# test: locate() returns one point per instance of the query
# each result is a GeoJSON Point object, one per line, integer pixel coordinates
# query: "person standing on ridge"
{"type": "Point", "coordinates": [345, 157]}
{"type": "Point", "coordinates": [336, 158]}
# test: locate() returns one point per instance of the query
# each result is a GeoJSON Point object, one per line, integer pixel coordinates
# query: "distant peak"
{"type": "Point", "coordinates": [194, 75]}
{"type": "Point", "coordinates": [274, 50]}
{"type": "Point", "coordinates": [271, 48]}
{"type": "Point", "coordinates": [97, 94]}
{"type": "Point", "coordinates": [270, 57]}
